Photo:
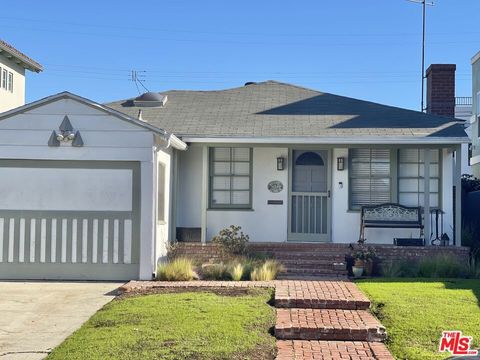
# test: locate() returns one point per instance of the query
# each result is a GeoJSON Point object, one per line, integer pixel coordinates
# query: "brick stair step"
{"type": "Point", "coordinates": [306, 254]}
{"type": "Point", "coordinates": [328, 324]}
{"type": "Point", "coordinates": [323, 350]}
{"type": "Point", "coordinates": [311, 262]}
{"type": "Point", "coordinates": [297, 270]}
{"type": "Point", "coordinates": [333, 294]}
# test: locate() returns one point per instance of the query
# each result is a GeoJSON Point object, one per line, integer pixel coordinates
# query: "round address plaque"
{"type": "Point", "coordinates": [275, 186]}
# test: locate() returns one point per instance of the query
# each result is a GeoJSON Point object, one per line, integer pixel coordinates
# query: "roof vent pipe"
{"type": "Point", "coordinates": [140, 113]}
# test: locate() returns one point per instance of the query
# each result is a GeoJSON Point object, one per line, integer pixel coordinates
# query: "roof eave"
{"type": "Point", "coordinates": [374, 140]}
{"type": "Point", "coordinates": [21, 60]}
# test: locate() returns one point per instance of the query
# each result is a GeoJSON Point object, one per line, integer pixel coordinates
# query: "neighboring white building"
{"type": "Point", "coordinates": [463, 111]}
{"type": "Point", "coordinates": [13, 65]}
{"type": "Point", "coordinates": [475, 160]}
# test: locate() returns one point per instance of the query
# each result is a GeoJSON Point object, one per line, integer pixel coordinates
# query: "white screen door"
{"type": "Point", "coordinates": [309, 196]}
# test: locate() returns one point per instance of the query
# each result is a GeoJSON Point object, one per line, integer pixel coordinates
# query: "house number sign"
{"type": "Point", "coordinates": [275, 186]}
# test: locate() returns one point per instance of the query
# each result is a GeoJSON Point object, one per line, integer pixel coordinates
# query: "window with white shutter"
{"type": "Point", "coordinates": [369, 177]}
{"type": "Point", "coordinates": [230, 177]}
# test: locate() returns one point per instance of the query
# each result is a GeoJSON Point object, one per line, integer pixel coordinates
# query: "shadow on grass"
{"type": "Point", "coordinates": [449, 283]}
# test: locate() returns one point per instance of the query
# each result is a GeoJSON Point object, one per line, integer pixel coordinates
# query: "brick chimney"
{"type": "Point", "coordinates": [441, 89]}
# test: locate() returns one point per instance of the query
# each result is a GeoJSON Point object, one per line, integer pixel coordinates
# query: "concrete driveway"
{"type": "Point", "coordinates": [37, 316]}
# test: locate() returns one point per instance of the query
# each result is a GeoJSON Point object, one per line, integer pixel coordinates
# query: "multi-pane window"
{"type": "Point", "coordinates": [411, 177]}
{"type": "Point", "coordinates": [10, 81]}
{"type": "Point", "coordinates": [370, 179]}
{"type": "Point", "coordinates": [230, 177]}
{"type": "Point", "coordinates": [4, 78]}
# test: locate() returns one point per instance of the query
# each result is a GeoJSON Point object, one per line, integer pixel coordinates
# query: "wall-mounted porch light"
{"type": "Point", "coordinates": [280, 163]}
{"type": "Point", "coordinates": [340, 163]}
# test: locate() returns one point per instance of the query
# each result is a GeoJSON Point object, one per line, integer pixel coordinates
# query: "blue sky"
{"type": "Point", "coordinates": [367, 49]}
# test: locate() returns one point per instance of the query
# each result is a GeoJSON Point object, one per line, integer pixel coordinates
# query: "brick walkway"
{"type": "Point", "coordinates": [319, 295]}
{"type": "Point", "coordinates": [312, 317]}
{"type": "Point", "coordinates": [328, 324]}
{"type": "Point", "coordinates": [332, 350]}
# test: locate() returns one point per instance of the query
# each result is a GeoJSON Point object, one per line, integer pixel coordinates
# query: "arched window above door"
{"type": "Point", "coordinates": [309, 158]}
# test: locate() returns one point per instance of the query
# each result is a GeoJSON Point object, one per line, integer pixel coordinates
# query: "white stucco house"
{"type": "Point", "coordinates": [96, 191]}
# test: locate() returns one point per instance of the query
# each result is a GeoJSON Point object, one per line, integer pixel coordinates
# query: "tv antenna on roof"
{"type": "Point", "coordinates": [424, 8]}
{"type": "Point", "coordinates": [138, 77]}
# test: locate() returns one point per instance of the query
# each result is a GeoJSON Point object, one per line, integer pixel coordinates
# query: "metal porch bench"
{"type": "Point", "coordinates": [390, 215]}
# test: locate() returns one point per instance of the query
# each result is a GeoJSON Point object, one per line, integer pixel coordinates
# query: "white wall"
{"type": "Point", "coordinates": [189, 197]}
{"type": "Point", "coordinates": [263, 224]}
{"type": "Point", "coordinates": [268, 223]}
{"type": "Point", "coordinates": [10, 100]}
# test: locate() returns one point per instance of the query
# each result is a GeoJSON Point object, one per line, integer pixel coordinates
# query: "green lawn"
{"type": "Point", "coordinates": [415, 311]}
{"type": "Point", "coordinates": [189, 325]}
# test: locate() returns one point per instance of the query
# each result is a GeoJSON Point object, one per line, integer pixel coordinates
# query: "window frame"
{"type": "Point", "coordinates": [438, 178]}
{"type": "Point", "coordinates": [4, 78]}
{"type": "Point", "coordinates": [213, 206]}
{"type": "Point", "coordinates": [391, 177]}
{"type": "Point", "coordinates": [10, 82]}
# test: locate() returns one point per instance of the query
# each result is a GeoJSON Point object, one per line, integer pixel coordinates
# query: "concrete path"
{"type": "Point", "coordinates": [36, 316]}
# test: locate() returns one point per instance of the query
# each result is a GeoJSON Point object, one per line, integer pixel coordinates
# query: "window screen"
{"type": "Point", "coordinates": [230, 177]}
{"type": "Point", "coordinates": [411, 177]}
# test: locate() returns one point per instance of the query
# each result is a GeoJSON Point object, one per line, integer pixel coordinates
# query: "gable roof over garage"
{"type": "Point", "coordinates": [169, 137]}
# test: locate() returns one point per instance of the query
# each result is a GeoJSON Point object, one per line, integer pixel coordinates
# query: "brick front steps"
{"type": "Point", "coordinates": [342, 350]}
{"type": "Point", "coordinates": [320, 295]}
{"type": "Point", "coordinates": [328, 324]}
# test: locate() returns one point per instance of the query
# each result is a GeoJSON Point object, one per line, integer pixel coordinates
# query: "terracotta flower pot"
{"type": "Point", "coordinates": [359, 263]}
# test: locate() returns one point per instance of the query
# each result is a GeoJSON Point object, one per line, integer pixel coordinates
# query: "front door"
{"type": "Point", "coordinates": [309, 196]}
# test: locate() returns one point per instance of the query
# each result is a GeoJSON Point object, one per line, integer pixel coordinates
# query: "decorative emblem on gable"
{"type": "Point", "coordinates": [65, 133]}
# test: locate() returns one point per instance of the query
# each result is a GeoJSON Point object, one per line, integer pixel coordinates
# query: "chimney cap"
{"type": "Point", "coordinates": [441, 67]}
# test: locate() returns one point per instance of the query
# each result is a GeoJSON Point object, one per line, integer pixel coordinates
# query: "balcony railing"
{"type": "Point", "coordinates": [463, 100]}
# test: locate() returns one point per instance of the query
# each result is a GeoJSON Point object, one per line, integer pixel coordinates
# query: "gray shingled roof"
{"type": "Point", "coordinates": [273, 109]}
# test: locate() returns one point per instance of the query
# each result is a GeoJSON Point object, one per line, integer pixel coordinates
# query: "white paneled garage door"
{"type": "Point", "coordinates": [69, 220]}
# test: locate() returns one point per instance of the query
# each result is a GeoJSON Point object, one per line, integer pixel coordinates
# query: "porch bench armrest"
{"type": "Point", "coordinates": [390, 215]}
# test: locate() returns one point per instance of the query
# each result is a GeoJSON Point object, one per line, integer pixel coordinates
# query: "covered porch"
{"type": "Point", "coordinates": [313, 193]}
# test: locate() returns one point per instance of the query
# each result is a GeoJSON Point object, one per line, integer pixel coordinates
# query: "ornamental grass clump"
{"type": "Point", "coordinates": [236, 272]}
{"type": "Point", "coordinates": [179, 269]}
{"type": "Point", "coordinates": [266, 272]}
{"type": "Point", "coordinates": [215, 272]}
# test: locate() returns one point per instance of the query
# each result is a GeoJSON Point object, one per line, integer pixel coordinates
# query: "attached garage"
{"type": "Point", "coordinates": [83, 211]}
{"type": "Point", "coordinates": [69, 220]}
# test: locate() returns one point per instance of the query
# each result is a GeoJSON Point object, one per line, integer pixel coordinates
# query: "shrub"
{"type": "Point", "coordinates": [179, 269]}
{"type": "Point", "coordinates": [268, 271]}
{"type": "Point", "coordinates": [215, 272]}
{"type": "Point", "coordinates": [441, 266]}
{"type": "Point", "coordinates": [236, 272]}
{"type": "Point", "coordinates": [232, 240]}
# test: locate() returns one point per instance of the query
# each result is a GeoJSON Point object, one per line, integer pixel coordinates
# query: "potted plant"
{"type": "Point", "coordinates": [363, 260]}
